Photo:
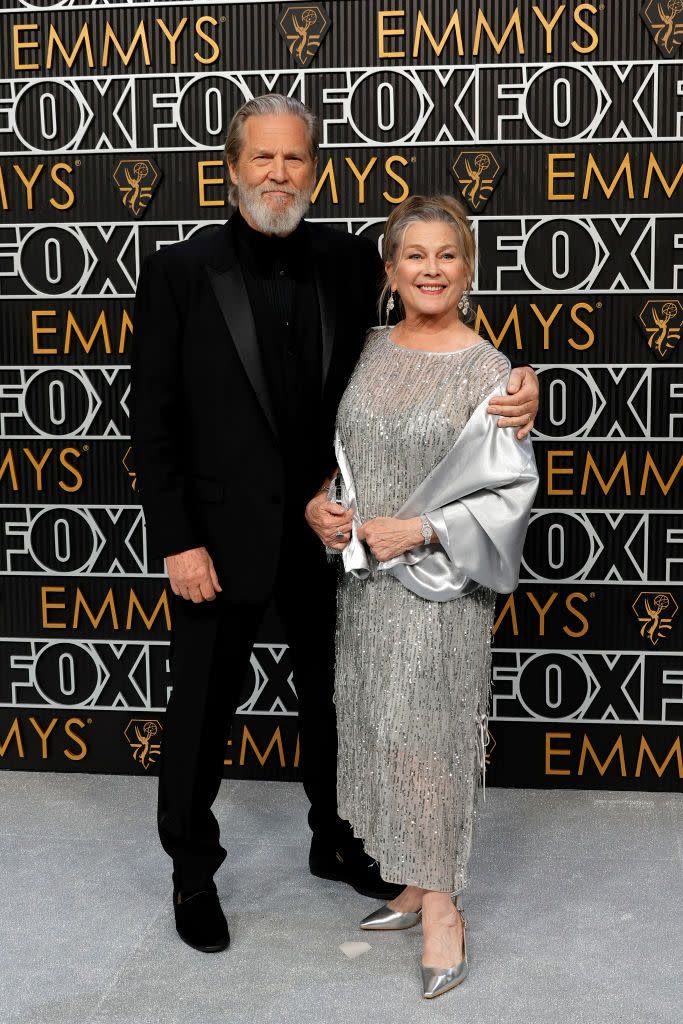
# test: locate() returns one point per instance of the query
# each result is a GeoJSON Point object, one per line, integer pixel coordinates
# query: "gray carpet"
{"type": "Point", "coordinates": [574, 912]}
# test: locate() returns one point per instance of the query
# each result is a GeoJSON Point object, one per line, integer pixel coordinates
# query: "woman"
{"type": "Point", "coordinates": [441, 500]}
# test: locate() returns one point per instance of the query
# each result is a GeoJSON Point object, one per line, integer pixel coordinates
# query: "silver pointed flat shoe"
{"type": "Point", "coordinates": [387, 920]}
{"type": "Point", "coordinates": [437, 980]}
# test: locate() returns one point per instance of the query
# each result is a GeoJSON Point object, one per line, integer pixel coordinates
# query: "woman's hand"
{"type": "Point", "coordinates": [326, 518]}
{"type": "Point", "coordinates": [388, 537]}
{"type": "Point", "coordinates": [519, 407]}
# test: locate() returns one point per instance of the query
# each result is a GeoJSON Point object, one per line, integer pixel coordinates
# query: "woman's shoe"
{"type": "Point", "coordinates": [387, 920]}
{"type": "Point", "coordinates": [437, 980]}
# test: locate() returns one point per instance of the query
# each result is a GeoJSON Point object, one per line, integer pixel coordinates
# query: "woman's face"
{"type": "Point", "coordinates": [430, 274]}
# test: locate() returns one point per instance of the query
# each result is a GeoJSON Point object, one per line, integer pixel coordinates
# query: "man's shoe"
{"type": "Point", "coordinates": [200, 921]}
{"type": "Point", "coordinates": [350, 863]}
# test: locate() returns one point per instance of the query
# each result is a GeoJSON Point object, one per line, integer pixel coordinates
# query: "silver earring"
{"type": "Point", "coordinates": [464, 303]}
{"type": "Point", "coordinates": [390, 305]}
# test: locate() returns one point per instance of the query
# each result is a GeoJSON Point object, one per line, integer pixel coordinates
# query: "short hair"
{"type": "Point", "coordinates": [274, 103]}
{"type": "Point", "coordinates": [418, 209]}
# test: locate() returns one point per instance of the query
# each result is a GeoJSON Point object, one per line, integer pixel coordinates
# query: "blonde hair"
{"type": "Point", "coordinates": [418, 209]}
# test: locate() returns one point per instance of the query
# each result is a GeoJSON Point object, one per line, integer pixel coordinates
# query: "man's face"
{"type": "Point", "coordinates": [275, 173]}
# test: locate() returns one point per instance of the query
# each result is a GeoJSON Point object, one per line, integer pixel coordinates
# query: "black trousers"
{"type": "Point", "coordinates": [211, 647]}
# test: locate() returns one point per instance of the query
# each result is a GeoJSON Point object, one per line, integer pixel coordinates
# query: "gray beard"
{"type": "Point", "coordinates": [274, 222]}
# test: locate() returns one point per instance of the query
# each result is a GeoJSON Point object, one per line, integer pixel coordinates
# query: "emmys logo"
{"type": "Point", "coordinates": [661, 320]}
{"type": "Point", "coordinates": [127, 461]}
{"type": "Point", "coordinates": [664, 18]}
{"type": "Point", "coordinates": [303, 27]}
{"type": "Point", "coordinates": [136, 180]}
{"type": "Point", "coordinates": [476, 172]}
{"type": "Point", "coordinates": [140, 733]}
{"type": "Point", "coordinates": [655, 610]}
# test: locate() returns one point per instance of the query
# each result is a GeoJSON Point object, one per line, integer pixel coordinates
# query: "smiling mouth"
{"type": "Point", "coordinates": [431, 289]}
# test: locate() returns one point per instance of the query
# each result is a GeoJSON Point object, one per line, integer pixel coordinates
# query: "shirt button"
{"type": "Point", "coordinates": [286, 322]}
{"type": "Point", "coordinates": [282, 273]}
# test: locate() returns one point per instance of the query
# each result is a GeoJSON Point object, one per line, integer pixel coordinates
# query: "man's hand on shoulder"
{"type": "Point", "coordinates": [520, 406]}
{"type": "Point", "coordinates": [192, 575]}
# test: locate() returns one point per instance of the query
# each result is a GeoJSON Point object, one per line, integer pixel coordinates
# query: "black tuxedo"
{"type": "Point", "coordinates": [213, 449]}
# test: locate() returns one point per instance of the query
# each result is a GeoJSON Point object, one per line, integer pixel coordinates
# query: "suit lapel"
{"type": "Point", "coordinates": [231, 292]}
{"type": "Point", "coordinates": [326, 285]}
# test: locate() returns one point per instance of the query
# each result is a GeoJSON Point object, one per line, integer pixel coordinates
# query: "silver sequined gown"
{"type": "Point", "coordinates": [412, 676]}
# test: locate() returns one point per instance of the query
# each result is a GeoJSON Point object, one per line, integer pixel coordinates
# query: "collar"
{"type": "Point", "coordinates": [264, 250]}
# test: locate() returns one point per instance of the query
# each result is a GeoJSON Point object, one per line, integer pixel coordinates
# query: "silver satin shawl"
{"type": "Point", "coordinates": [478, 499]}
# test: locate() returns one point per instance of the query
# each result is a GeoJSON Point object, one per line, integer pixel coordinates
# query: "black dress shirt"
{"type": "Point", "coordinates": [280, 282]}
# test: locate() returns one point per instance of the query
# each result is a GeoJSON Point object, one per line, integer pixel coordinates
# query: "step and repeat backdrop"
{"type": "Point", "coordinates": [559, 125]}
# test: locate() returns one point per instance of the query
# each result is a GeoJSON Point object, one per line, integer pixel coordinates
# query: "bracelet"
{"type": "Point", "coordinates": [426, 528]}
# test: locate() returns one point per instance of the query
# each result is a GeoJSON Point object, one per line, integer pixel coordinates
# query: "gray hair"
{"type": "Point", "coordinates": [275, 103]}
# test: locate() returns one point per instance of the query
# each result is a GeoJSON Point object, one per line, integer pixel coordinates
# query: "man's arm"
{"type": "Point", "coordinates": [156, 413]}
{"type": "Point", "coordinates": [520, 406]}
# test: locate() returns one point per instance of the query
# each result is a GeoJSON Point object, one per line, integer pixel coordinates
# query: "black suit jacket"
{"type": "Point", "coordinates": [207, 455]}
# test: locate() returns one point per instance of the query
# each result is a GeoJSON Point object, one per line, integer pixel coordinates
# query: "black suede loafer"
{"type": "Point", "coordinates": [200, 921]}
{"type": "Point", "coordinates": [350, 863]}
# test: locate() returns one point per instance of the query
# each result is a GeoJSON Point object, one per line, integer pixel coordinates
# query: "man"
{"type": "Point", "coordinates": [245, 337]}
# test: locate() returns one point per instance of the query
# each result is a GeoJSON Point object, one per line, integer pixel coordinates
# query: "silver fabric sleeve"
{"type": "Point", "coordinates": [478, 499]}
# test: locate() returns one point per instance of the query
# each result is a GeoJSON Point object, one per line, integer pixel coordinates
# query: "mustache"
{"type": "Point", "coordinates": [280, 188]}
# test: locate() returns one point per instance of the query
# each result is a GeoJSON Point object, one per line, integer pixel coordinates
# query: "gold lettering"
{"type": "Point", "coordinates": [72, 469]}
{"type": "Point", "coordinates": [586, 748]}
{"type": "Point", "coordinates": [652, 165]}
{"type": "Point", "coordinates": [553, 174]}
{"type": "Point", "coordinates": [53, 40]}
{"type": "Point", "coordinates": [8, 463]}
{"type": "Point", "coordinates": [172, 36]}
{"type": "Point", "coordinates": [328, 172]}
{"type": "Point", "coordinates": [388, 166]}
{"type": "Point", "coordinates": [14, 732]}
{"type": "Point", "coordinates": [361, 176]}
{"type": "Point", "coordinates": [134, 605]}
{"type": "Point", "coordinates": [553, 470]}
{"type": "Point", "coordinates": [580, 323]}
{"type": "Point", "coordinates": [68, 727]}
{"type": "Point", "coordinates": [383, 32]}
{"type": "Point", "coordinates": [28, 182]}
{"type": "Point", "coordinates": [38, 466]}
{"type": "Point", "coordinates": [482, 23]}
{"type": "Point", "coordinates": [551, 751]}
{"type": "Point", "coordinates": [541, 610]}
{"type": "Point", "coordinates": [510, 607]}
{"type": "Point", "coordinates": [46, 605]}
{"type": "Point", "coordinates": [20, 44]}
{"type": "Point", "coordinates": [126, 329]}
{"type": "Point", "coordinates": [71, 198]}
{"type": "Point", "coordinates": [481, 320]}
{"type": "Point", "coordinates": [216, 52]}
{"type": "Point", "coordinates": [262, 758]}
{"type": "Point", "coordinates": [72, 327]}
{"type": "Point", "coordinates": [660, 769]}
{"type": "Point", "coordinates": [546, 323]}
{"type": "Point", "coordinates": [43, 735]}
{"type": "Point", "coordinates": [578, 11]}
{"type": "Point", "coordinates": [203, 181]}
{"type": "Point", "coordinates": [651, 465]}
{"type": "Point", "coordinates": [37, 329]}
{"type": "Point", "coordinates": [452, 26]}
{"type": "Point", "coordinates": [110, 37]}
{"type": "Point", "coordinates": [95, 619]}
{"type": "Point", "coordinates": [548, 25]}
{"type": "Point", "coordinates": [624, 168]}
{"type": "Point", "coordinates": [621, 467]}
{"type": "Point", "coordinates": [579, 615]}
